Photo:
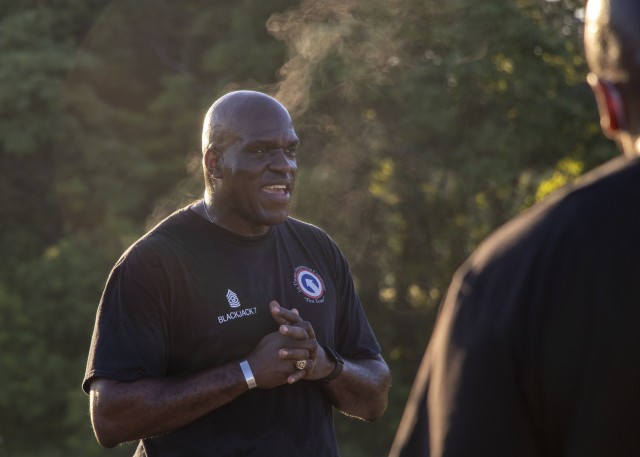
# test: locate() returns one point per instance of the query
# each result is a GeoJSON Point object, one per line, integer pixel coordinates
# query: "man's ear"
{"type": "Point", "coordinates": [213, 162]}
{"type": "Point", "coordinates": [610, 106]}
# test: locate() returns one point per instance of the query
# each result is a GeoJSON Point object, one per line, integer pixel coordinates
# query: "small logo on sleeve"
{"type": "Point", "coordinates": [309, 283]}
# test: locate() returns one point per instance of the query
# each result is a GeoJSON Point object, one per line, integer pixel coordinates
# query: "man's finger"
{"type": "Point", "coordinates": [283, 315]}
{"type": "Point", "coordinates": [275, 308]}
{"type": "Point", "coordinates": [297, 376]}
{"type": "Point", "coordinates": [299, 333]}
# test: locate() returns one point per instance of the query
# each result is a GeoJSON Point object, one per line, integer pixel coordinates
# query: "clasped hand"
{"type": "Point", "coordinates": [273, 360]}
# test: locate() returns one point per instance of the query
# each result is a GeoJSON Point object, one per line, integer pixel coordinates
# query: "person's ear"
{"type": "Point", "coordinates": [213, 162]}
{"type": "Point", "coordinates": [610, 106]}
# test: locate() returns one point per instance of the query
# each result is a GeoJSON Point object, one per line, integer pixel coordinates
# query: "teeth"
{"type": "Point", "coordinates": [277, 187]}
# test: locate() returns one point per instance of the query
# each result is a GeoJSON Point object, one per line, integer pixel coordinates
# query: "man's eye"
{"type": "Point", "coordinates": [265, 151]}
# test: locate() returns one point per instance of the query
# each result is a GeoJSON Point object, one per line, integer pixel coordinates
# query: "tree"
{"type": "Point", "coordinates": [424, 126]}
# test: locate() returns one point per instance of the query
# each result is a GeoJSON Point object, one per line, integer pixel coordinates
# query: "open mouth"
{"type": "Point", "coordinates": [276, 189]}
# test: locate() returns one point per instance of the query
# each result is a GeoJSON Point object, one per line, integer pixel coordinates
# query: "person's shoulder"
{"type": "Point", "coordinates": [301, 226]}
{"type": "Point", "coordinates": [609, 191]}
{"type": "Point", "coordinates": [180, 218]}
{"type": "Point", "coordinates": [308, 233]}
{"type": "Point", "coordinates": [569, 217]}
{"type": "Point", "coordinates": [155, 238]}
{"type": "Point", "coordinates": [617, 180]}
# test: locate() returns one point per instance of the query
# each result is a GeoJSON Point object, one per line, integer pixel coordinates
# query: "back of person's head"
{"type": "Point", "coordinates": [612, 47]}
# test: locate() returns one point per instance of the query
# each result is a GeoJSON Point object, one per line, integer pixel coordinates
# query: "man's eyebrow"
{"type": "Point", "coordinates": [271, 143]}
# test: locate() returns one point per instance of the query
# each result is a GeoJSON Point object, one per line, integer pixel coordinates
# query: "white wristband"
{"type": "Point", "coordinates": [248, 375]}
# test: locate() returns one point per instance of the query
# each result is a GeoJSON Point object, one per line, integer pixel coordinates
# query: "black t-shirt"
{"type": "Point", "coordinates": [190, 295]}
{"type": "Point", "coordinates": [536, 349]}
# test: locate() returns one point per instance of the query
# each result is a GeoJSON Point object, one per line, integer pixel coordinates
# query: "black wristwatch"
{"type": "Point", "coordinates": [339, 365]}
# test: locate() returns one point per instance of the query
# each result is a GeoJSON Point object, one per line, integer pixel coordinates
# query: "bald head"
{"type": "Point", "coordinates": [238, 121]}
{"type": "Point", "coordinates": [612, 40]}
{"type": "Point", "coordinates": [233, 113]}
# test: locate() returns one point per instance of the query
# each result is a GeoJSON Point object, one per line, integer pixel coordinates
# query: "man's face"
{"type": "Point", "coordinates": [257, 171]}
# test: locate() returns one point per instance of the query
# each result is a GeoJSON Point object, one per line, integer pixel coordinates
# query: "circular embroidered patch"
{"type": "Point", "coordinates": [309, 283]}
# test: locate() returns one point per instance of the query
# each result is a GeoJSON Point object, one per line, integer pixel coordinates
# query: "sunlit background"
{"type": "Point", "coordinates": [424, 125]}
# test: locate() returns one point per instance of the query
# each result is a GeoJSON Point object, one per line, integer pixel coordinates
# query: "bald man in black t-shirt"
{"type": "Point", "coordinates": [231, 328]}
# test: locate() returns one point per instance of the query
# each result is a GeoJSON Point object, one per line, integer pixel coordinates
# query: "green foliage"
{"type": "Point", "coordinates": [424, 126]}
{"type": "Point", "coordinates": [429, 125]}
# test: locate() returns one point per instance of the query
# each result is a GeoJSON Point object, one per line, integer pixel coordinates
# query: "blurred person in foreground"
{"type": "Point", "coordinates": [231, 328]}
{"type": "Point", "coordinates": [536, 348]}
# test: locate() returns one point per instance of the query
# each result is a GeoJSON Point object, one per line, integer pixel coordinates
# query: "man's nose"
{"type": "Point", "coordinates": [282, 162]}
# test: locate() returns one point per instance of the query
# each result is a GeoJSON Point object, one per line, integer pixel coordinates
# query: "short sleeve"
{"type": "Point", "coordinates": [354, 337]}
{"type": "Point", "coordinates": [130, 332]}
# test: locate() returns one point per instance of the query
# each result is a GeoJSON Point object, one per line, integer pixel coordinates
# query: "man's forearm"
{"type": "Point", "coordinates": [126, 411]}
{"type": "Point", "coordinates": [362, 389]}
